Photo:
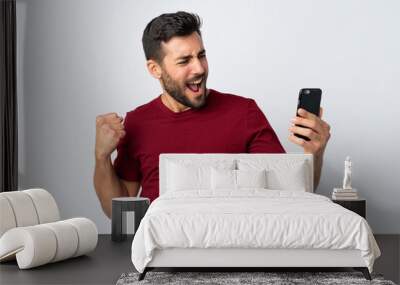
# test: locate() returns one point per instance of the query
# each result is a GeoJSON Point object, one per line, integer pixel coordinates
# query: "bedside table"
{"type": "Point", "coordinates": [120, 206]}
{"type": "Point", "coordinates": [358, 206]}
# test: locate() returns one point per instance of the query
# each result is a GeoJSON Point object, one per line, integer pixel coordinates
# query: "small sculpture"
{"type": "Point", "coordinates": [347, 174]}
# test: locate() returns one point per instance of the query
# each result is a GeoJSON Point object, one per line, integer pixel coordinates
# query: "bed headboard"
{"type": "Point", "coordinates": [166, 157]}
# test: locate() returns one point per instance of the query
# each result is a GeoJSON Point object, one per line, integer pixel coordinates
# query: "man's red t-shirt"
{"type": "Point", "coordinates": [227, 123]}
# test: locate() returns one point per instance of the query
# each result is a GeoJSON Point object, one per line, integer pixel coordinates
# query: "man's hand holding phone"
{"type": "Point", "coordinates": [308, 129]}
{"type": "Point", "coordinates": [317, 130]}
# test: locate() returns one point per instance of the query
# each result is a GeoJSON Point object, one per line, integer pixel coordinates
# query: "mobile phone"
{"type": "Point", "coordinates": [310, 100]}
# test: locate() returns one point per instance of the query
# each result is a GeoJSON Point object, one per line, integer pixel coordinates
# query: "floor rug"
{"type": "Point", "coordinates": [242, 278]}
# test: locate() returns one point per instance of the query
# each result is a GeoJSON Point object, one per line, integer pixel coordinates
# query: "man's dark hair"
{"type": "Point", "coordinates": [164, 27]}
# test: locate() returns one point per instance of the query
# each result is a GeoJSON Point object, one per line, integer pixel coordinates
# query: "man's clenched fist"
{"type": "Point", "coordinates": [109, 131]}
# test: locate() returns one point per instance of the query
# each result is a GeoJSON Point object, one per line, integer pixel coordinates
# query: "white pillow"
{"type": "Point", "coordinates": [281, 174]}
{"type": "Point", "coordinates": [291, 178]}
{"type": "Point", "coordinates": [235, 179]}
{"type": "Point", "coordinates": [223, 179]}
{"type": "Point", "coordinates": [251, 178]}
{"type": "Point", "coordinates": [188, 175]}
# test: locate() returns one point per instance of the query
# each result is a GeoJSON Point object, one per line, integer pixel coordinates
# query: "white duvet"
{"type": "Point", "coordinates": [251, 218]}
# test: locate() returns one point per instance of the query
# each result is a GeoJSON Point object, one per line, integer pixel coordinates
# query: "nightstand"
{"type": "Point", "coordinates": [358, 206]}
{"type": "Point", "coordinates": [120, 206]}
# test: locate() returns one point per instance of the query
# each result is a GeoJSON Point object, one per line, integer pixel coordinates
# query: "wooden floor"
{"type": "Point", "coordinates": [110, 260]}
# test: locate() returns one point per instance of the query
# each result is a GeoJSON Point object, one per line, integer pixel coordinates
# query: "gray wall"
{"type": "Point", "coordinates": [77, 59]}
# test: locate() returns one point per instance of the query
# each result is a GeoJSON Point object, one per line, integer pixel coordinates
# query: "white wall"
{"type": "Point", "coordinates": [77, 59]}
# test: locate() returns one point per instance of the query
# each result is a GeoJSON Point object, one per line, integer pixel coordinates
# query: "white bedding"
{"type": "Point", "coordinates": [250, 218]}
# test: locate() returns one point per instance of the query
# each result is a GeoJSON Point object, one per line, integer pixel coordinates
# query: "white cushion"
{"type": "Point", "coordinates": [32, 246]}
{"type": "Point", "coordinates": [28, 207]}
{"type": "Point", "coordinates": [189, 175]}
{"type": "Point", "coordinates": [45, 205]}
{"type": "Point", "coordinates": [281, 174]}
{"type": "Point", "coordinates": [23, 208]}
{"type": "Point", "coordinates": [236, 179]}
{"type": "Point", "coordinates": [67, 237]}
{"type": "Point", "coordinates": [40, 244]}
{"type": "Point", "coordinates": [7, 218]}
{"type": "Point", "coordinates": [251, 178]}
{"type": "Point", "coordinates": [223, 179]}
{"type": "Point", "coordinates": [87, 232]}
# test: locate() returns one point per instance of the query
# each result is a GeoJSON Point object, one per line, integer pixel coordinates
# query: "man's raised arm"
{"type": "Point", "coordinates": [109, 131]}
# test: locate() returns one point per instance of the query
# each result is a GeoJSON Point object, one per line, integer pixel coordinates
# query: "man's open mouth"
{"type": "Point", "coordinates": [194, 86]}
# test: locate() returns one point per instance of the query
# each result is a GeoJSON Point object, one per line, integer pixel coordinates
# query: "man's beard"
{"type": "Point", "coordinates": [176, 92]}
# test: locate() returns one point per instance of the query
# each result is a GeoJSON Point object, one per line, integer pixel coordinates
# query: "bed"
{"type": "Point", "coordinates": [245, 211]}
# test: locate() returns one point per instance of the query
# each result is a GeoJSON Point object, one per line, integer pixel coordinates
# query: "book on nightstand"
{"type": "Point", "coordinates": [344, 194]}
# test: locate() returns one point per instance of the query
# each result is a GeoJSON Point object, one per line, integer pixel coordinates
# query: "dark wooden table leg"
{"type": "Point", "coordinates": [118, 223]}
